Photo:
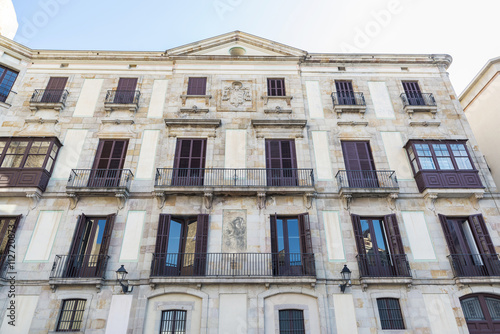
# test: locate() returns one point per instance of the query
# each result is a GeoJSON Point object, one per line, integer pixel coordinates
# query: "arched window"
{"type": "Point", "coordinates": [482, 313]}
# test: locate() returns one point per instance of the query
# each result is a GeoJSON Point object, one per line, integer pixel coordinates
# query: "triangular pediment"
{"type": "Point", "coordinates": [244, 44]}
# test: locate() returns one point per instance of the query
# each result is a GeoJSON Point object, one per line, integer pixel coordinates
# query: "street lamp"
{"type": "Point", "coordinates": [121, 274]}
{"type": "Point", "coordinates": [346, 278]}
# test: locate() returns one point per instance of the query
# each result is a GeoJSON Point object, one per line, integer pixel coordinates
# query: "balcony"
{"type": "Point", "coordinates": [122, 100]}
{"type": "Point", "coordinates": [367, 183]}
{"type": "Point", "coordinates": [415, 102]}
{"type": "Point", "coordinates": [84, 269]}
{"type": "Point", "coordinates": [100, 182]}
{"type": "Point", "coordinates": [475, 268]}
{"type": "Point", "coordinates": [48, 99]}
{"type": "Point", "coordinates": [348, 102]}
{"type": "Point", "coordinates": [381, 268]}
{"type": "Point", "coordinates": [24, 179]}
{"type": "Point", "coordinates": [6, 98]}
{"type": "Point", "coordinates": [449, 183]}
{"type": "Point", "coordinates": [232, 267]}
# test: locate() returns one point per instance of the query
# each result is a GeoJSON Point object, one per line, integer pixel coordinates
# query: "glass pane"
{"type": "Point", "coordinates": [427, 163]}
{"type": "Point", "coordinates": [472, 309]}
{"type": "Point", "coordinates": [463, 163]}
{"type": "Point", "coordinates": [441, 150]}
{"type": "Point", "coordinates": [458, 150]}
{"type": "Point", "coordinates": [494, 308]}
{"type": "Point", "coordinates": [423, 150]}
{"type": "Point", "coordinates": [174, 242]}
{"type": "Point", "coordinates": [280, 235]}
{"type": "Point", "coordinates": [12, 161]}
{"type": "Point", "coordinates": [17, 147]}
{"type": "Point", "coordinates": [96, 244]}
{"type": "Point", "coordinates": [34, 161]}
{"type": "Point", "coordinates": [380, 236]}
{"type": "Point", "coordinates": [49, 164]}
{"type": "Point", "coordinates": [2, 145]}
{"type": "Point", "coordinates": [456, 236]}
{"type": "Point", "coordinates": [445, 164]}
{"type": "Point", "coordinates": [39, 147]}
{"type": "Point", "coordinates": [294, 241]}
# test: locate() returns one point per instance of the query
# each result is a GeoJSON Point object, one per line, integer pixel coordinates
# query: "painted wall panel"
{"type": "Point", "coordinates": [87, 101]}
{"type": "Point", "coordinates": [381, 99]}
{"type": "Point", "coordinates": [158, 96]}
{"type": "Point", "coordinates": [43, 236]}
{"type": "Point", "coordinates": [418, 235]}
{"type": "Point", "coordinates": [333, 236]}
{"type": "Point", "coordinates": [314, 99]}
{"type": "Point", "coordinates": [440, 313]}
{"type": "Point", "coordinates": [119, 314]}
{"type": "Point", "coordinates": [322, 155]}
{"type": "Point", "coordinates": [146, 163]}
{"type": "Point", "coordinates": [235, 151]}
{"type": "Point", "coordinates": [25, 310]}
{"type": "Point", "coordinates": [233, 313]}
{"type": "Point", "coordinates": [396, 154]}
{"type": "Point", "coordinates": [345, 315]}
{"type": "Point", "coordinates": [132, 236]}
{"type": "Point", "coordinates": [70, 153]}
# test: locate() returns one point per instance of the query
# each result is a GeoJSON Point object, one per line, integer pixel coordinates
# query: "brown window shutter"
{"type": "Point", "coordinates": [54, 89]}
{"type": "Point", "coordinates": [4, 232]}
{"type": "Point", "coordinates": [162, 234]}
{"type": "Point", "coordinates": [276, 87]}
{"type": "Point", "coordinates": [447, 234]}
{"type": "Point", "coordinates": [358, 234]}
{"type": "Point", "coordinates": [106, 238]}
{"type": "Point", "coordinates": [411, 87]}
{"type": "Point", "coordinates": [201, 245]}
{"type": "Point", "coordinates": [481, 234]}
{"type": "Point", "coordinates": [111, 154]}
{"type": "Point", "coordinates": [274, 246]}
{"type": "Point", "coordinates": [78, 235]}
{"type": "Point", "coordinates": [197, 86]}
{"type": "Point", "coordinates": [127, 84]}
{"type": "Point", "coordinates": [305, 231]}
{"type": "Point", "coordinates": [57, 83]}
{"type": "Point", "coordinates": [357, 156]}
{"type": "Point", "coordinates": [393, 234]}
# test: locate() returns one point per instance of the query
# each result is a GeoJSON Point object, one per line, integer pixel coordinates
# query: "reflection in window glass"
{"type": "Point", "coordinates": [425, 156]}
{"type": "Point", "coordinates": [461, 156]}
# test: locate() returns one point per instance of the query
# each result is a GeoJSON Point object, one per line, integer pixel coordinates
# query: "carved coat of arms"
{"type": "Point", "coordinates": [236, 94]}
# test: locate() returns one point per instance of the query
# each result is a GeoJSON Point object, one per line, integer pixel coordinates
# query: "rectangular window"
{"type": "Point", "coordinates": [413, 93]}
{"type": "Point", "coordinates": [281, 163]}
{"type": "Point", "coordinates": [71, 317]}
{"type": "Point", "coordinates": [276, 87]}
{"type": "Point", "coordinates": [197, 86]}
{"type": "Point", "coordinates": [125, 92]}
{"type": "Point", "coordinates": [390, 313]}
{"type": "Point", "coordinates": [345, 92]}
{"type": "Point", "coordinates": [189, 162]}
{"type": "Point", "coordinates": [7, 79]}
{"type": "Point", "coordinates": [291, 322]}
{"type": "Point", "coordinates": [445, 156]}
{"type": "Point", "coordinates": [54, 90]}
{"type": "Point", "coordinates": [173, 322]}
{"type": "Point", "coordinates": [29, 152]}
{"type": "Point", "coordinates": [107, 170]}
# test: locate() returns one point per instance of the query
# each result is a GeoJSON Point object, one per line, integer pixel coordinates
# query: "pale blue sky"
{"type": "Point", "coordinates": [466, 30]}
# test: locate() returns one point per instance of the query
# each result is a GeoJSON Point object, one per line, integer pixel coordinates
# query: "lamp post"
{"type": "Point", "coordinates": [121, 274]}
{"type": "Point", "coordinates": [346, 278]}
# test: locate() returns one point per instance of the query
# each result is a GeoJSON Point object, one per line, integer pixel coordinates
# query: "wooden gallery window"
{"type": "Point", "coordinates": [197, 86]}
{"type": "Point", "coordinates": [89, 250]}
{"type": "Point", "coordinates": [380, 248]}
{"type": "Point", "coordinates": [181, 246]}
{"type": "Point", "coordinates": [390, 313]}
{"type": "Point", "coordinates": [71, 316]}
{"type": "Point", "coordinates": [472, 252]}
{"type": "Point", "coordinates": [276, 87]}
{"type": "Point", "coordinates": [482, 313]}
{"type": "Point", "coordinates": [291, 246]}
{"type": "Point", "coordinates": [291, 321]}
{"type": "Point", "coordinates": [8, 226]}
{"type": "Point", "coordinates": [173, 322]}
{"type": "Point", "coordinates": [7, 79]}
{"type": "Point", "coordinates": [442, 164]}
{"type": "Point", "coordinates": [27, 162]}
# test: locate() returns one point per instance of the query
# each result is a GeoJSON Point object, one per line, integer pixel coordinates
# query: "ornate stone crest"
{"type": "Point", "coordinates": [236, 94]}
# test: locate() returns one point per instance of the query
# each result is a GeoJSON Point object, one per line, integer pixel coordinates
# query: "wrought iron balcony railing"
{"type": "Point", "coordinates": [234, 177]}
{"type": "Point", "coordinates": [49, 96]}
{"type": "Point", "coordinates": [418, 99]}
{"type": "Point", "coordinates": [467, 265]}
{"type": "Point", "coordinates": [367, 179]}
{"type": "Point", "coordinates": [79, 266]}
{"type": "Point", "coordinates": [348, 99]}
{"type": "Point", "coordinates": [383, 265]}
{"type": "Point", "coordinates": [122, 97]}
{"type": "Point", "coordinates": [232, 264]}
{"type": "Point", "coordinates": [100, 178]}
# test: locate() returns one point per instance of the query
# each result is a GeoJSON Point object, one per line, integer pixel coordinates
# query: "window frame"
{"type": "Point", "coordinates": [291, 320]}
{"type": "Point", "coordinates": [52, 141]}
{"type": "Point", "coordinates": [73, 313]}
{"type": "Point", "coordinates": [2, 77]}
{"type": "Point", "coordinates": [387, 310]}
{"type": "Point", "coordinates": [274, 91]}
{"type": "Point", "coordinates": [192, 90]}
{"type": "Point", "coordinates": [411, 150]}
{"type": "Point", "coordinates": [174, 321]}
{"type": "Point", "coordinates": [482, 302]}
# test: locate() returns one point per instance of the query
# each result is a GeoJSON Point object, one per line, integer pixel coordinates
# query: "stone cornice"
{"type": "Point", "coordinates": [279, 123]}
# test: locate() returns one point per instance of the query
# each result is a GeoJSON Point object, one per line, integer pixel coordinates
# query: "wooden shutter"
{"type": "Point", "coordinates": [276, 87]}
{"type": "Point", "coordinates": [57, 83]}
{"type": "Point", "coordinates": [447, 234]}
{"type": "Point", "coordinates": [358, 234]}
{"type": "Point", "coordinates": [280, 154]}
{"type": "Point", "coordinates": [197, 86]}
{"type": "Point", "coordinates": [357, 156]}
{"type": "Point", "coordinates": [481, 234]}
{"type": "Point", "coordinates": [393, 234]}
{"type": "Point", "coordinates": [201, 245]}
{"type": "Point", "coordinates": [4, 232]}
{"type": "Point", "coordinates": [343, 86]}
{"type": "Point", "coordinates": [54, 90]}
{"type": "Point", "coordinates": [127, 84]}
{"type": "Point", "coordinates": [305, 231]}
{"type": "Point", "coordinates": [106, 237]}
{"type": "Point", "coordinates": [111, 154]}
{"type": "Point", "coordinates": [162, 234]}
{"type": "Point", "coordinates": [190, 153]}
{"type": "Point", "coordinates": [78, 235]}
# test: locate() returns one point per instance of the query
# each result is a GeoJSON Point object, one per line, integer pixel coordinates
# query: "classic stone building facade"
{"type": "Point", "coordinates": [234, 178]}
